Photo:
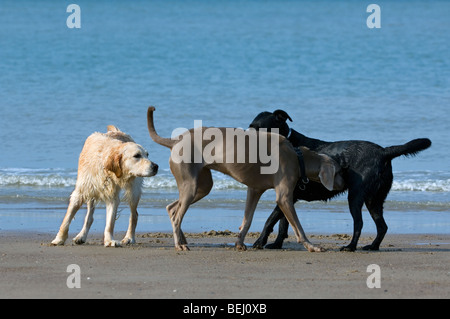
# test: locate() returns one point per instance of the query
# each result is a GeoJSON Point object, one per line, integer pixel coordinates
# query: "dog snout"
{"type": "Point", "coordinates": [150, 169]}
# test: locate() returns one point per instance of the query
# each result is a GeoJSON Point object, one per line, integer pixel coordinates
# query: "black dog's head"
{"type": "Point", "coordinates": [269, 120]}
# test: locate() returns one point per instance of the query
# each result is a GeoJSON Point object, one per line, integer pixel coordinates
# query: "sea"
{"type": "Point", "coordinates": [68, 71]}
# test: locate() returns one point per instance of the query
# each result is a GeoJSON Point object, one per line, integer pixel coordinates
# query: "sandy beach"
{"type": "Point", "coordinates": [411, 266]}
{"type": "Point", "coordinates": [67, 72]}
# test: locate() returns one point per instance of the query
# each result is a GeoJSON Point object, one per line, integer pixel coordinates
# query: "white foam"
{"type": "Point", "coordinates": [422, 186]}
{"type": "Point", "coordinates": [56, 178]}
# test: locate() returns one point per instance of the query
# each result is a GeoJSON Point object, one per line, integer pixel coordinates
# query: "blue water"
{"type": "Point", "coordinates": [221, 62]}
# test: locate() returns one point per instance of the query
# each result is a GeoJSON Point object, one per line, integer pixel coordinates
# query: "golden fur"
{"type": "Point", "coordinates": [108, 163]}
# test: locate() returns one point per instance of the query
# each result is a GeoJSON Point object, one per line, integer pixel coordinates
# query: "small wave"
{"type": "Point", "coordinates": [168, 182]}
{"type": "Point", "coordinates": [426, 181]}
{"type": "Point", "coordinates": [422, 186]}
{"type": "Point", "coordinates": [37, 177]}
{"type": "Point", "coordinates": [59, 178]}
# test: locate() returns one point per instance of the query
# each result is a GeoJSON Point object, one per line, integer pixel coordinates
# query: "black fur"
{"type": "Point", "coordinates": [367, 173]}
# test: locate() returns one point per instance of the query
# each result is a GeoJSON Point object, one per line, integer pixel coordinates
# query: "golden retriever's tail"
{"type": "Point", "coordinates": [167, 142]}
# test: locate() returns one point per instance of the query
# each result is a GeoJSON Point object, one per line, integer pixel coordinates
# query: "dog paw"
{"type": "Point", "coordinates": [259, 244]}
{"type": "Point", "coordinates": [318, 249]}
{"type": "Point", "coordinates": [112, 243]}
{"type": "Point", "coordinates": [241, 247]}
{"type": "Point", "coordinates": [57, 242]}
{"type": "Point", "coordinates": [371, 247]}
{"type": "Point", "coordinates": [348, 248]}
{"type": "Point", "coordinates": [274, 245]}
{"type": "Point", "coordinates": [78, 241]}
{"type": "Point", "coordinates": [311, 248]}
{"type": "Point", "coordinates": [128, 241]}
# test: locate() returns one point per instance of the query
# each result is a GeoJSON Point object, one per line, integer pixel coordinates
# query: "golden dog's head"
{"type": "Point", "coordinates": [130, 159]}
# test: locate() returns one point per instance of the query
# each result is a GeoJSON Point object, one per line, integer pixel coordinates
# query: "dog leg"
{"type": "Point", "coordinates": [82, 236]}
{"type": "Point", "coordinates": [253, 197]}
{"type": "Point", "coordinates": [286, 203]}
{"type": "Point", "coordinates": [74, 205]}
{"type": "Point", "coordinates": [187, 192]}
{"type": "Point", "coordinates": [376, 211]}
{"type": "Point", "coordinates": [178, 236]}
{"type": "Point", "coordinates": [111, 212]}
{"type": "Point", "coordinates": [130, 236]}
{"type": "Point", "coordinates": [355, 204]}
{"type": "Point", "coordinates": [276, 215]}
{"type": "Point", "coordinates": [133, 194]}
{"type": "Point", "coordinates": [282, 234]}
{"type": "Point", "coordinates": [191, 191]}
{"type": "Point", "coordinates": [172, 210]}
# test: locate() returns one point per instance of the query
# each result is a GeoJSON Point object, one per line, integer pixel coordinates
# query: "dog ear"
{"type": "Point", "coordinates": [282, 116]}
{"type": "Point", "coordinates": [112, 128]}
{"type": "Point", "coordinates": [326, 174]}
{"type": "Point", "coordinates": [113, 163]}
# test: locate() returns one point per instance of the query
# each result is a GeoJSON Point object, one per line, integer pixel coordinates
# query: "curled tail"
{"type": "Point", "coordinates": [167, 142]}
{"type": "Point", "coordinates": [409, 149]}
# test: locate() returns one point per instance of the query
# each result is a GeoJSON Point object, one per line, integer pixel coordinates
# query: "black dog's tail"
{"type": "Point", "coordinates": [409, 149]}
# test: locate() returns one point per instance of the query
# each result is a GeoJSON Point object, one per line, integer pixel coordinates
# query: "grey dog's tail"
{"type": "Point", "coordinates": [167, 142]}
{"type": "Point", "coordinates": [409, 149]}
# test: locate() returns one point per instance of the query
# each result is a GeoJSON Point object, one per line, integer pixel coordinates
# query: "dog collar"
{"type": "Point", "coordinates": [289, 134]}
{"type": "Point", "coordinates": [301, 162]}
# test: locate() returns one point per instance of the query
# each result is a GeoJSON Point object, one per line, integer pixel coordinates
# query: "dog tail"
{"type": "Point", "coordinates": [409, 149]}
{"type": "Point", "coordinates": [167, 142]}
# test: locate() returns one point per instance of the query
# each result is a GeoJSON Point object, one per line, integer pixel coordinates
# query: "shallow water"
{"type": "Point", "coordinates": [222, 63]}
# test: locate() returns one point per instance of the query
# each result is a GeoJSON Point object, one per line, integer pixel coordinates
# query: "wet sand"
{"type": "Point", "coordinates": [411, 266]}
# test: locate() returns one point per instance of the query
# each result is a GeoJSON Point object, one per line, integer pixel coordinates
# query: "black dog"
{"type": "Point", "coordinates": [367, 172]}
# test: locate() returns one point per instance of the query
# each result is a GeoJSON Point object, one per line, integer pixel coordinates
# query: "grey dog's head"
{"type": "Point", "coordinates": [269, 120]}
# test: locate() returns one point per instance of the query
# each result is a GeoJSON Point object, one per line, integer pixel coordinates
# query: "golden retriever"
{"type": "Point", "coordinates": [108, 163]}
